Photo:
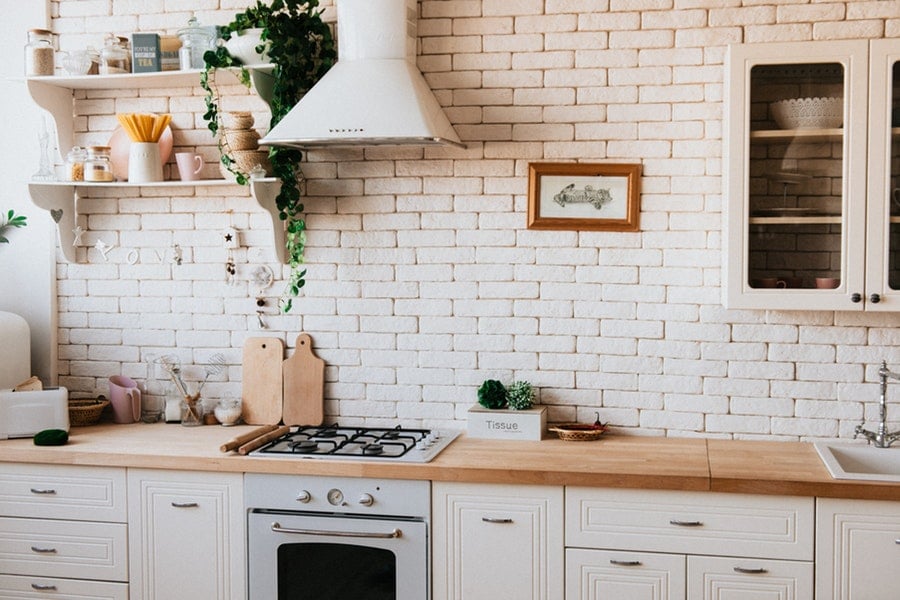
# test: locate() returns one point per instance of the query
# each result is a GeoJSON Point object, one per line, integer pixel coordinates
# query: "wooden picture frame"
{"type": "Point", "coordinates": [584, 196]}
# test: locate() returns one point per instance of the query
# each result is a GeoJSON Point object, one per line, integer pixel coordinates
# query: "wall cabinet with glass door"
{"type": "Point", "coordinates": [811, 162]}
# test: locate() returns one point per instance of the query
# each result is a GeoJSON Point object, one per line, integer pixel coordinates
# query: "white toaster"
{"type": "Point", "coordinates": [22, 414]}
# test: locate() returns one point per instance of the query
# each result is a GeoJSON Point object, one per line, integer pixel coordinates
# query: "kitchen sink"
{"type": "Point", "coordinates": [856, 461]}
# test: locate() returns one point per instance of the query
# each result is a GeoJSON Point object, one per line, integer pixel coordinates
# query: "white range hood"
{"type": "Point", "coordinates": [374, 94]}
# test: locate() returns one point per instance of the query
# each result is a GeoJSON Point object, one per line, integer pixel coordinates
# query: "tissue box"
{"type": "Point", "coordinates": [23, 414]}
{"type": "Point", "coordinates": [506, 424]}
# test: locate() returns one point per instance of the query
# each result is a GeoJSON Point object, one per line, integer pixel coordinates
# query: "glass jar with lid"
{"type": "Point", "coordinates": [39, 53]}
{"type": "Point", "coordinates": [195, 41]}
{"type": "Point", "coordinates": [97, 167]}
{"type": "Point", "coordinates": [113, 57]}
{"type": "Point", "coordinates": [75, 163]}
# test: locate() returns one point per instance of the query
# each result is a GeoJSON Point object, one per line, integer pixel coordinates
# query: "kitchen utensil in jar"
{"type": "Point", "coordinates": [304, 385]}
{"type": "Point", "coordinates": [125, 398]}
{"type": "Point", "coordinates": [261, 391]}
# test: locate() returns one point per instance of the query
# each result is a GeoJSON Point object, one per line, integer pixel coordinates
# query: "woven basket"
{"type": "Point", "coordinates": [86, 412]}
{"type": "Point", "coordinates": [577, 432]}
{"type": "Point", "coordinates": [246, 160]}
{"type": "Point", "coordinates": [236, 140]}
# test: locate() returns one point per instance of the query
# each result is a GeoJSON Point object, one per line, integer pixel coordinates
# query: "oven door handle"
{"type": "Point", "coordinates": [277, 528]}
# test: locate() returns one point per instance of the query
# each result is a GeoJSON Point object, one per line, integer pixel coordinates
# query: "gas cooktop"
{"type": "Point", "coordinates": [359, 443]}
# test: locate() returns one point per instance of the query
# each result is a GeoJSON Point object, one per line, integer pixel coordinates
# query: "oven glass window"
{"type": "Point", "coordinates": [329, 571]}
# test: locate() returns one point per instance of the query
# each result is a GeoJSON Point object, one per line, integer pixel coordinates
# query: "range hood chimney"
{"type": "Point", "coordinates": [374, 94]}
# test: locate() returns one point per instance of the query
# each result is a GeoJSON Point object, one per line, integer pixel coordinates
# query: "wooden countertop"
{"type": "Point", "coordinates": [613, 461]}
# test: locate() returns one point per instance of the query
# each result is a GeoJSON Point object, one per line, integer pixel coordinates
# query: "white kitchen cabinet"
{"type": "Point", "coordinates": [655, 544]}
{"type": "Point", "coordinates": [809, 219]}
{"type": "Point", "coordinates": [60, 198]}
{"type": "Point", "coordinates": [857, 549]}
{"type": "Point", "coordinates": [186, 535]}
{"type": "Point", "coordinates": [63, 532]}
{"type": "Point", "coordinates": [497, 541]}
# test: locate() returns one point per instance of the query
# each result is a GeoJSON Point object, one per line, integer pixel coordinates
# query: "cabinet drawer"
{"type": "Point", "coordinates": [73, 549]}
{"type": "Point", "coordinates": [624, 575]}
{"type": "Point", "coordinates": [18, 587]}
{"type": "Point", "coordinates": [690, 522]}
{"type": "Point", "coordinates": [718, 577]}
{"type": "Point", "coordinates": [51, 492]}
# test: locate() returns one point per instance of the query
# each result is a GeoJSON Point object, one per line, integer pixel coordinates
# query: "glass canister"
{"type": "Point", "coordinates": [195, 41]}
{"type": "Point", "coordinates": [97, 166]}
{"type": "Point", "coordinates": [114, 57]}
{"type": "Point", "coordinates": [75, 163]}
{"type": "Point", "coordinates": [39, 53]}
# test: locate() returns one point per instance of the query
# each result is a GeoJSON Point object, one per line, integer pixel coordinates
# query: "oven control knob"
{"type": "Point", "coordinates": [335, 497]}
{"type": "Point", "coordinates": [366, 500]}
{"type": "Point", "coordinates": [304, 496]}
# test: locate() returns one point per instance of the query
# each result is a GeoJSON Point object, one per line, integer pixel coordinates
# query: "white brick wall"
{"type": "Point", "coordinates": [423, 280]}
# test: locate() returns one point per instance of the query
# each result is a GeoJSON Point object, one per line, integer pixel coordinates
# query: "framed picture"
{"type": "Point", "coordinates": [582, 196]}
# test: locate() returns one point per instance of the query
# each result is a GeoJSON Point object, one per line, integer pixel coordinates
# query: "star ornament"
{"type": "Point", "coordinates": [78, 232]}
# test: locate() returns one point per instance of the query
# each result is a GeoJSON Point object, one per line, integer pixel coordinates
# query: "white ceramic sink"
{"type": "Point", "coordinates": [857, 461]}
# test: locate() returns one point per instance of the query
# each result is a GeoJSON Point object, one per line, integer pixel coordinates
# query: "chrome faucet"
{"type": "Point", "coordinates": [881, 438]}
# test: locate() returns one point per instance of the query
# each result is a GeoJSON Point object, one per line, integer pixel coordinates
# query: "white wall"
{"type": "Point", "coordinates": [423, 279]}
{"type": "Point", "coordinates": [27, 263]}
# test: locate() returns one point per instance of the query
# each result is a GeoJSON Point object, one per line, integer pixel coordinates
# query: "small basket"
{"type": "Point", "coordinates": [577, 432]}
{"type": "Point", "coordinates": [86, 412]}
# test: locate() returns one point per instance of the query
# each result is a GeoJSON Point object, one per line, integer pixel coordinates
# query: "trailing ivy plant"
{"type": "Point", "coordinates": [11, 220]}
{"type": "Point", "coordinates": [301, 47]}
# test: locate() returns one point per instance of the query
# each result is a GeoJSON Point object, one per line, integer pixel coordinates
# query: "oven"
{"type": "Point", "coordinates": [334, 538]}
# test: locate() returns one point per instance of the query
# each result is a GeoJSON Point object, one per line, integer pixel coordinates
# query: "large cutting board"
{"type": "Point", "coordinates": [304, 385]}
{"type": "Point", "coordinates": [261, 373]}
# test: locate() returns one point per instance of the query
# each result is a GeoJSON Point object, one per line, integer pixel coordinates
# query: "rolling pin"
{"type": "Point", "coordinates": [242, 439]}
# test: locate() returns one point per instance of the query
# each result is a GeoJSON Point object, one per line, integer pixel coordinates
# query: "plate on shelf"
{"type": "Point", "coordinates": [120, 147]}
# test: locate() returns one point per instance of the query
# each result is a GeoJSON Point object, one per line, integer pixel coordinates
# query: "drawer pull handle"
{"type": "Point", "coordinates": [45, 587]}
{"type": "Point", "coordinates": [185, 504]}
{"type": "Point", "coordinates": [686, 523]}
{"type": "Point", "coordinates": [40, 550]}
{"type": "Point", "coordinates": [496, 520]}
{"type": "Point", "coordinates": [625, 563]}
{"type": "Point", "coordinates": [46, 492]}
{"type": "Point", "coordinates": [756, 571]}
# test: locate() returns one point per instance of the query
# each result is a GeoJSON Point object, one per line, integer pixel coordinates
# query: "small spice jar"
{"type": "Point", "coordinates": [75, 163]}
{"type": "Point", "coordinates": [39, 53]}
{"type": "Point", "coordinates": [97, 166]}
{"type": "Point", "coordinates": [114, 58]}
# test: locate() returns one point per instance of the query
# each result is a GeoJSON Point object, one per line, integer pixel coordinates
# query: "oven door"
{"type": "Point", "coordinates": [295, 556]}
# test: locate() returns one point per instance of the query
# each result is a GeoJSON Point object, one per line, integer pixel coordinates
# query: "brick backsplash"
{"type": "Point", "coordinates": [423, 279]}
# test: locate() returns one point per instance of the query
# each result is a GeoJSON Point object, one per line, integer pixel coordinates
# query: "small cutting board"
{"type": "Point", "coordinates": [304, 385]}
{"type": "Point", "coordinates": [261, 372]}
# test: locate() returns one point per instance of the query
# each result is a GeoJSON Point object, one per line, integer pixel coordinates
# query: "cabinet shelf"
{"type": "Point", "coordinates": [797, 135]}
{"type": "Point", "coordinates": [820, 220]}
{"type": "Point", "coordinates": [60, 199]}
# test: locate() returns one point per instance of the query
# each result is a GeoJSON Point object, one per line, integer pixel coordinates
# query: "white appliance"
{"type": "Point", "coordinates": [374, 94]}
{"type": "Point", "coordinates": [15, 350]}
{"type": "Point", "coordinates": [23, 414]}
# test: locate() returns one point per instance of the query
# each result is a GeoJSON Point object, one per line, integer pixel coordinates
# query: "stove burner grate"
{"type": "Point", "coordinates": [349, 442]}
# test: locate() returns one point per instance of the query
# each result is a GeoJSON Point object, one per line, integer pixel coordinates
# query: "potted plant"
{"type": "Point", "coordinates": [11, 220]}
{"type": "Point", "coordinates": [301, 47]}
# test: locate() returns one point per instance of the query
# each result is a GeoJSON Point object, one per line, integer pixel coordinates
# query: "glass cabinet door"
{"type": "Point", "coordinates": [883, 252]}
{"type": "Point", "coordinates": [796, 195]}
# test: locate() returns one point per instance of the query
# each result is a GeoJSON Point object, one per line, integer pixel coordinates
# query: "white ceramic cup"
{"type": "Point", "coordinates": [189, 165]}
{"type": "Point", "coordinates": [125, 398]}
{"type": "Point", "coordinates": [144, 162]}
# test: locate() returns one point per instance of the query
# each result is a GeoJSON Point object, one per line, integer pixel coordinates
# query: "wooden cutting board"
{"type": "Point", "coordinates": [261, 372]}
{"type": "Point", "coordinates": [304, 385]}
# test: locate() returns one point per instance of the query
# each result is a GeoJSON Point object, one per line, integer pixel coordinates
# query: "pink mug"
{"type": "Point", "coordinates": [125, 398]}
{"type": "Point", "coordinates": [189, 165]}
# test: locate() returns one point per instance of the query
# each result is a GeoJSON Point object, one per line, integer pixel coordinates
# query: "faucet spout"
{"type": "Point", "coordinates": [881, 438]}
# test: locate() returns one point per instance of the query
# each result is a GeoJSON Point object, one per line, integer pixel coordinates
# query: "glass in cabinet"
{"type": "Point", "coordinates": [795, 158]}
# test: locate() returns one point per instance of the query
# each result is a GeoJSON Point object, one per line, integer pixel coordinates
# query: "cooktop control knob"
{"type": "Point", "coordinates": [366, 500]}
{"type": "Point", "coordinates": [335, 496]}
{"type": "Point", "coordinates": [304, 496]}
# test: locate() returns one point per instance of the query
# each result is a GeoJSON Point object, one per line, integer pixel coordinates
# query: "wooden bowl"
{"type": "Point", "coordinates": [578, 432]}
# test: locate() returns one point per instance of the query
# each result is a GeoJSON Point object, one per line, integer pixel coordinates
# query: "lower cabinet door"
{"type": "Point", "coordinates": [717, 578]}
{"type": "Point", "coordinates": [621, 575]}
{"type": "Point", "coordinates": [21, 587]}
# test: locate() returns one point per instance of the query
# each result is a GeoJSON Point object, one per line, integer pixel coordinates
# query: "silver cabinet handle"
{"type": "Point", "coordinates": [277, 528]}
{"type": "Point", "coordinates": [679, 523]}
{"type": "Point", "coordinates": [897, 541]}
{"type": "Point", "coordinates": [40, 550]}
{"type": "Point", "coordinates": [43, 491]}
{"type": "Point", "coordinates": [185, 504]}
{"type": "Point", "coordinates": [48, 587]}
{"type": "Point", "coordinates": [625, 563]}
{"type": "Point", "coordinates": [496, 520]}
{"type": "Point", "coordinates": [756, 571]}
